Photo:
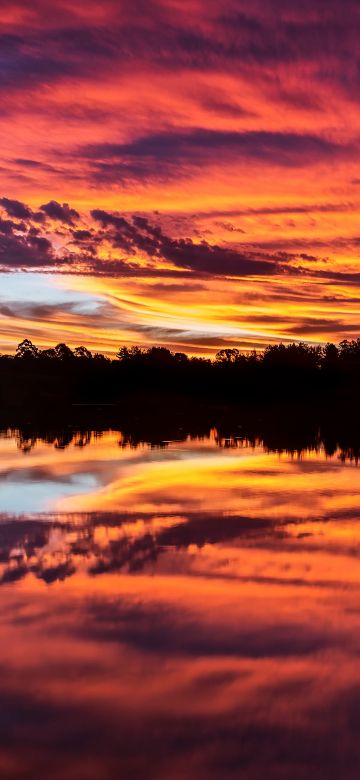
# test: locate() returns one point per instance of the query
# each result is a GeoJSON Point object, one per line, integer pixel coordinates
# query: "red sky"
{"type": "Point", "coordinates": [179, 173]}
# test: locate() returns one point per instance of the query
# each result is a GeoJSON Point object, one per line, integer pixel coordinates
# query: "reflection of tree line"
{"type": "Point", "coordinates": [279, 431]}
{"type": "Point", "coordinates": [59, 378]}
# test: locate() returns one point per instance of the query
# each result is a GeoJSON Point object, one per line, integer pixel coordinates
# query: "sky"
{"type": "Point", "coordinates": [181, 173]}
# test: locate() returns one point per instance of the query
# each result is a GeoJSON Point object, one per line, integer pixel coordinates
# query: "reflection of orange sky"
{"type": "Point", "coordinates": [253, 631]}
{"type": "Point", "coordinates": [190, 476]}
{"type": "Point", "coordinates": [248, 684]}
{"type": "Point", "coordinates": [248, 483]}
{"type": "Point", "coordinates": [308, 499]}
{"type": "Point", "coordinates": [309, 505]}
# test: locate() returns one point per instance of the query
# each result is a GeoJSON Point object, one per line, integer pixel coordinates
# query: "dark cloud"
{"type": "Point", "coordinates": [230, 228]}
{"type": "Point", "coordinates": [6, 310]}
{"type": "Point", "coordinates": [219, 105]}
{"type": "Point", "coordinates": [82, 235]}
{"type": "Point", "coordinates": [40, 55]}
{"type": "Point", "coordinates": [174, 288]}
{"type": "Point", "coordinates": [312, 326]}
{"type": "Point", "coordinates": [36, 165]}
{"type": "Point", "coordinates": [62, 213]}
{"type": "Point", "coordinates": [124, 240]}
{"type": "Point", "coordinates": [203, 258]}
{"type": "Point", "coordinates": [322, 208]}
{"type": "Point", "coordinates": [177, 336]}
{"type": "Point", "coordinates": [106, 218]}
{"type": "Point", "coordinates": [29, 62]}
{"type": "Point", "coordinates": [47, 311]}
{"type": "Point", "coordinates": [252, 39]}
{"type": "Point", "coordinates": [339, 299]}
{"type": "Point", "coordinates": [301, 208]}
{"type": "Point", "coordinates": [22, 251]}
{"type": "Point", "coordinates": [7, 226]}
{"type": "Point", "coordinates": [215, 260]}
{"type": "Point", "coordinates": [22, 246]}
{"type": "Point", "coordinates": [15, 208]}
{"type": "Point", "coordinates": [160, 153]}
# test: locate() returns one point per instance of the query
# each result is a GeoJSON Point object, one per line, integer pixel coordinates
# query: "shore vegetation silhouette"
{"type": "Point", "coordinates": [60, 378]}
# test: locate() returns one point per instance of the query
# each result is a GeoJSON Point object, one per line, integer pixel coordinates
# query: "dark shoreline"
{"type": "Point", "coordinates": [155, 419]}
{"type": "Point", "coordinates": [291, 397]}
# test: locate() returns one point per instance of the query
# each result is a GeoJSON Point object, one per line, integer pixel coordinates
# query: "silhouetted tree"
{"type": "Point", "coordinates": [48, 354]}
{"type": "Point", "coordinates": [228, 355]}
{"type": "Point", "coordinates": [349, 351]}
{"type": "Point", "coordinates": [129, 353]}
{"type": "Point", "coordinates": [63, 352]}
{"type": "Point", "coordinates": [82, 352]}
{"type": "Point", "coordinates": [26, 349]}
{"type": "Point", "coordinates": [99, 358]}
{"type": "Point", "coordinates": [330, 355]}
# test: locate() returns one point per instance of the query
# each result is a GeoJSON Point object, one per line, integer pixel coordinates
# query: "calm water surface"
{"type": "Point", "coordinates": [184, 612]}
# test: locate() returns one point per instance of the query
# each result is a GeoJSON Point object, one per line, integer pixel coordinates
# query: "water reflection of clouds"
{"type": "Point", "coordinates": [123, 508]}
{"type": "Point", "coordinates": [185, 617]}
{"type": "Point", "coordinates": [39, 479]}
{"type": "Point", "coordinates": [199, 545]}
{"type": "Point", "coordinates": [200, 677]}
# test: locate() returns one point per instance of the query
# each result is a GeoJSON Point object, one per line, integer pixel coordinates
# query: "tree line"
{"type": "Point", "coordinates": [279, 372]}
{"type": "Point", "coordinates": [296, 354]}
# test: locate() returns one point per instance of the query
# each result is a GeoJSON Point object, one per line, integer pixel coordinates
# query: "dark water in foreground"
{"type": "Point", "coordinates": [189, 611]}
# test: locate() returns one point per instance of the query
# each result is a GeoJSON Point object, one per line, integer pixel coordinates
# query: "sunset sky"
{"type": "Point", "coordinates": [183, 173]}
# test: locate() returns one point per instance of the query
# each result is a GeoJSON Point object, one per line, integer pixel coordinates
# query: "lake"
{"type": "Point", "coordinates": [183, 611]}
